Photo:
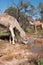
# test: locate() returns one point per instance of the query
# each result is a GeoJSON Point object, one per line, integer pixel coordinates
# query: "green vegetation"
{"type": "Point", "coordinates": [4, 33]}
{"type": "Point", "coordinates": [40, 32]}
{"type": "Point", "coordinates": [40, 62]}
{"type": "Point", "coordinates": [24, 15]}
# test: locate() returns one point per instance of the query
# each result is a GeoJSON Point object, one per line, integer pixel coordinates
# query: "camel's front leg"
{"type": "Point", "coordinates": [12, 34]}
{"type": "Point", "coordinates": [13, 38]}
{"type": "Point", "coordinates": [10, 38]}
{"type": "Point", "coordinates": [36, 29]}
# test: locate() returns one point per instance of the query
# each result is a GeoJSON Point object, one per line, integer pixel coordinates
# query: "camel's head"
{"type": "Point", "coordinates": [24, 38]}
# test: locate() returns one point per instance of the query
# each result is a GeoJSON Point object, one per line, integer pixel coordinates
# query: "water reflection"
{"type": "Point", "coordinates": [36, 45]}
{"type": "Point", "coordinates": [30, 41]}
{"type": "Point", "coordinates": [35, 49]}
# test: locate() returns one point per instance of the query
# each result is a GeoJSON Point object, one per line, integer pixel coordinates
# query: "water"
{"type": "Point", "coordinates": [30, 41]}
{"type": "Point", "coordinates": [37, 45]}
{"type": "Point", "coordinates": [35, 49]}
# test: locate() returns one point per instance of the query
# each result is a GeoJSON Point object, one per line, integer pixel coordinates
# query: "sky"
{"type": "Point", "coordinates": [4, 4]}
{"type": "Point", "coordinates": [36, 2]}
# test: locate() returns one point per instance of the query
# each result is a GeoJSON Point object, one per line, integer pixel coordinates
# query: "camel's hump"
{"type": "Point", "coordinates": [6, 19]}
{"type": "Point", "coordinates": [4, 15]}
{"type": "Point", "coordinates": [7, 16]}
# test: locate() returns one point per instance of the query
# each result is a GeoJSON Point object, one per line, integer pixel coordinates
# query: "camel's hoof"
{"type": "Point", "coordinates": [13, 43]}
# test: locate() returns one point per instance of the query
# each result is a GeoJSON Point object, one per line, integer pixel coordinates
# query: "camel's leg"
{"type": "Point", "coordinates": [10, 39]}
{"type": "Point", "coordinates": [12, 34]}
{"type": "Point", "coordinates": [36, 29]}
{"type": "Point", "coordinates": [13, 39]}
{"type": "Point", "coordinates": [41, 25]}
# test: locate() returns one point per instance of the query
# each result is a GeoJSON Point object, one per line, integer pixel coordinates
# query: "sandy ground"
{"type": "Point", "coordinates": [19, 54]}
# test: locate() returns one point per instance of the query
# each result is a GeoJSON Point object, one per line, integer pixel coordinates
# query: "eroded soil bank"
{"type": "Point", "coordinates": [20, 54]}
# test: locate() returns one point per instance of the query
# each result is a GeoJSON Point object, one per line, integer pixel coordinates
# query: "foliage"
{"type": "Point", "coordinates": [11, 11]}
{"type": "Point", "coordinates": [20, 12]}
{"type": "Point", "coordinates": [40, 32]}
{"type": "Point", "coordinates": [24, 12]}
{"type": "Point", "coordinates": [40, 61]}
{"type": "Point", "coordinates": [41, 10]}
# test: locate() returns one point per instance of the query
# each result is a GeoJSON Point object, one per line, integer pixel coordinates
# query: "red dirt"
{"type": "Point", "coordinates": [16, 54]}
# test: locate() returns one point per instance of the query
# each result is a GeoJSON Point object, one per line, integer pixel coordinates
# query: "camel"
{"type": "Point", "coordinates": [36, 24]}
{"type": "Point", "coordinates": [10, 22]}
{"type": "Point", "coordinates": [42, 25]}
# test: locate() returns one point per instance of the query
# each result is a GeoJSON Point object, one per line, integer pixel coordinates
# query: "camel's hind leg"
{"type": "Point", "coordinates": [11, 34]}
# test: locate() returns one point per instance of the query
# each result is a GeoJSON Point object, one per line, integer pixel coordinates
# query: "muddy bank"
{"type": "Point", "coordinates": [18, 54]}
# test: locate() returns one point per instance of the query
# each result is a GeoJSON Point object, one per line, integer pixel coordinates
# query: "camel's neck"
{"type": "Point", "coordinates": [22, 33]}
{"type": "Point", "coordinates": [31, 23]}
{"type": "Point", "coordinates": [17, 25]}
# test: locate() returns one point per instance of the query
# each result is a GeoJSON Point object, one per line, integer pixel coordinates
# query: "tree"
{"type": "Point", "coordinates": [41, 10]}
{"type": "Point", "coordinates": [12, 11]}
{"type": "Point", "coordinates": [23, 11]}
